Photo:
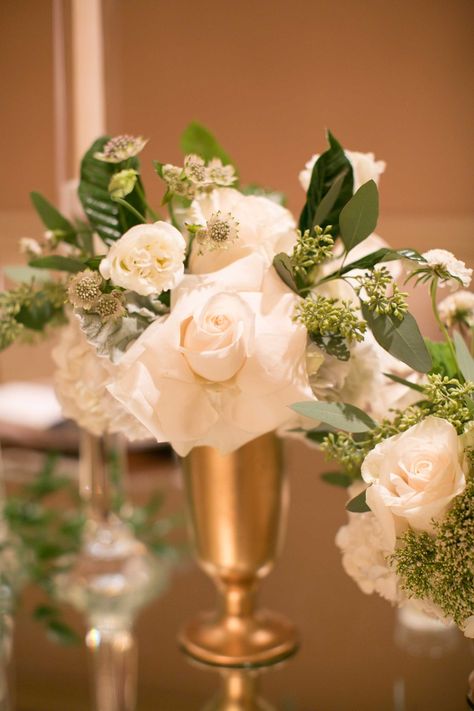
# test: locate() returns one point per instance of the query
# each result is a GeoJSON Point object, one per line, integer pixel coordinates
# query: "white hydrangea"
{"type": "Point", "coordinates": [80, 382]}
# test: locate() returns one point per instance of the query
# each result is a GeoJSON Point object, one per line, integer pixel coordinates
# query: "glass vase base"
{"type": "Point", "coordinates": [264, 638]}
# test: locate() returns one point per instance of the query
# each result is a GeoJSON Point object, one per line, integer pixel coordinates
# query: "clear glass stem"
{"type": "Point", "coordinates": [114, 658]}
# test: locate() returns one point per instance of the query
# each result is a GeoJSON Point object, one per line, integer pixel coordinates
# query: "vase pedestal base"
{"type": "Point", "coordinates": [264, 638]}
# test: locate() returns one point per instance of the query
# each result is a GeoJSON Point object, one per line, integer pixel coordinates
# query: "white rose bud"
{"type": "Point", "coordinates": [148, 259]}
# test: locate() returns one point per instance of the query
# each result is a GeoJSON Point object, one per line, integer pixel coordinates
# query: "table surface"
{"type": "Point", "coordinates": [355, 652]}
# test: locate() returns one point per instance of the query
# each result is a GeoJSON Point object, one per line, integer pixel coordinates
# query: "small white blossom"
{"type": "Point", "coordinates": [219, 174]}
{"type": "Point", "coordinates": [445, 265]}
{"type": "Point", "coordinates": [457, 308]}
{"type": "Point", "coordinates": [30, 247]}
{"type": "Point", "coordinates": [220, 231]}
{"type": "Point", "coordinates": [121, 148]}
{"type": "Point", "coordinates": [195, 169]}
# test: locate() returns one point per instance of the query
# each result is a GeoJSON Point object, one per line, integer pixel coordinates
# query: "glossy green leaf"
{"type": "Point", "coordinates": [110, 219]}
{"type": "Point", "coordinates": [328, 169]}
{"type": "Point", "coordinates": [402, 339]}
{"type": "Point", "coordinates": [337, 414]}
{"type": "Point", "coordinates": [465, 359]}
{"type": "Point", "coordinates": [52, 218]}
{"type": "Point", "coordinates": [358, 504]}
{"type": "Point", "coordinates": [197, 139]}
{"type": "Point", "coordinates": [359, 216]}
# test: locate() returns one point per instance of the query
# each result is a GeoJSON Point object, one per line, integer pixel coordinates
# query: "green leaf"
{"type": "Point", "coordinates": [465, 360]}
{"type": "Point", "coordinates": [52, 218]}
{"type": "Point", "coordinates": [317, 435]}
{"type": "Point", "coordinates": [197, 139]}
{"type": "Point", "coordinates": [384, 254]}
{"type": "Point", "coordinates": [62, 633]}
{"type": "Point", "coordinates": [402, 339]}
{"type": "Point", "coordinates": [58, 263]}
{"type": "Point", "coordinates": [359, 216]}
{"type": "Point", "coordinates": [337, 414]}
{"type": "Point", "coordinates": [284, 269]}
{"type": "Point", "coordinates": [337, 479]}
{"type": "Point", "coordinates": [443, 362]}
{"type": "Point", "coordinates": [329, 200]}
{"type": "Point", "coordinates": [44, 612]}
{"type": "Point", "coordinates": [38, 312]}
{"type": "Point", "coordinates": [358, 504]}
{"type": "Point", "coordinates": [403, 381]}
{"type": "Point", "coordinates": [327, 170]}
{"type": "Point", "coordinates": [110, 219]}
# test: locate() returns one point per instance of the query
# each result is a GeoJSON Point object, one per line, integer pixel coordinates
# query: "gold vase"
{"type": "Point", "coordinates": [237, 506]}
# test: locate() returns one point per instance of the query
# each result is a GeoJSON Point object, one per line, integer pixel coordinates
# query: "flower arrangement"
{"type": "Point", "coordinates": [204, 325]}
{"type": "Point", "coordinates": [410, 475]}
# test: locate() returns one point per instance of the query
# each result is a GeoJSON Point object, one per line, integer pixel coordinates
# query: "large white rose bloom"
{"type": "Point", "coordinates": [80, 381]}
{"type": "Point", "coordinates": [255, 224]}
{"type": "Point", "coordinates": [224, 366]}
{"type": "Point", "coordinates": [414, 477]}
{"type": "Point", "coordinates": [364, 165]}
{"type": "Point", "coordinates": [147, 259]}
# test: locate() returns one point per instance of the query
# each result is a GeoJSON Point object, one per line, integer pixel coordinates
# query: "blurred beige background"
{"type": "Point", "coordinates": [393, 77]}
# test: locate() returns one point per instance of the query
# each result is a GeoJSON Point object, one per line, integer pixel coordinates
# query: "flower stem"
{"type": "Point", "coordinates": [442, 327]}
{"type": "Point", "coordinates": [154, 215]}
{"type": "Point", "coordinates": [130, 208]}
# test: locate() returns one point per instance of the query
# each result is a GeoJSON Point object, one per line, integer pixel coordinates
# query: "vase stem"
{"type": "Point", "coordinates": [239, 601]}
{"type": "Point", "coordinates": [115, 668]}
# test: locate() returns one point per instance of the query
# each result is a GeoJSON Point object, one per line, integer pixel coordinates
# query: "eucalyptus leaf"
{"type": "Point", "coordinates": [58, 263]}
{"type": "Point", "coordinates": [337, 479]}
{"type": "Point", "coordinates": [337, 414]}
{"type": "Point", "coordinates": [326, 171]}
{"type": "Point", "coordinates": [52, 218]}
{"type": "Point", "coordinates": [465, 359]}
{"type": "Point", "coordinates": [358, 504]}
{"type": "Point", "coordinates": [401, 338]}
{"type": "Point", "coordinates": [384, 254]}
{"type": "Point", "coordinates": [284, 269]}
{"type": "Point", "coordinates": [359, 216]}
{"type": "Point", "coordinates": [109, 218]}
{"type": "Point", "coordinates": [197, 139]}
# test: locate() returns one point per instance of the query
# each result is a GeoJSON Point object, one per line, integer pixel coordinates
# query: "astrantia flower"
{"type": "Point", "coordinates": [219, 174]}
{"type": "Point", "coordinates": [446, 267]}
{"type": "Point", "coordinates": [458, 308]}
{"type": "Point", "coordinates": [195, 169]}
{"type": "Point", "coordinates": [220, 232]}
{"type": "Point", "coordinates": [84, 289]}
{"type": "Point", "coordinates": [121, 148]}
{"type": "Point", "coordinates": [30, 247]}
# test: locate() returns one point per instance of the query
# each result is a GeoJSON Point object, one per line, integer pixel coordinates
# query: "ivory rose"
{"type": "Point", "coordinates": [364, 165]}
{"type": "Point", "coordinates": [147, 259]}
{"type": "Point", "coordinates": [256, 224]}
{"type": "Point", "coordinates": [224, 366]}
{"type": "Point", "coordinates": [414, 477]}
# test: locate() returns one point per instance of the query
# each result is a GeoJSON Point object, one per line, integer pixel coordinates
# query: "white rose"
{"type": "Point", "coordinates": [364, 165]}
{"type": "Point", "coordinates": [364, 554]}
{"type": "Point", "coordinates": [147, 259]}
{"type": "Point", "coordinates": [457, 308]}
{"type": "Point", "coordinates": [256, 224]}
{"type": "Point", "coordinates": [81, 378]}
{"type": "Point", "coordinates": [414, 476]}
{"type": "Point", "coordinates": [224, 366]}
{"type": "Point", "coordinates": [442, 262]}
